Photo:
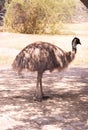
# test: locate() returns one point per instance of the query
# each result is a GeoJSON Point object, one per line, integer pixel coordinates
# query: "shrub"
{"type": "Point", "coordinates": [35, 16]}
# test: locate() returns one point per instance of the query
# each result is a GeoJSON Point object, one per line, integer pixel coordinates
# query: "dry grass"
{"type": "Point", "coordinates": [18, 41]}
{"type": "Point", "coordinates": [6, 60]}
{"type": "Point", "coordinates": [81, 29]}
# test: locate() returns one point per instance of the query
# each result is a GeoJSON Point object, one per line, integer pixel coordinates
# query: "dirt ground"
{"type": "Point", "coordinates": [66, 107]}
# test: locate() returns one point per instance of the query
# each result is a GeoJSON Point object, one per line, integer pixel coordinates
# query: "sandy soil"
{"type": "Point", "coordinates": [66, 107]}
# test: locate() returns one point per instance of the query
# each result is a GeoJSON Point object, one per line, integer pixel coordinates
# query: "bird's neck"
{"type": "Point", "coordinates": [74, 48]}
{"type": "Point", "coordinates": [70, 56]}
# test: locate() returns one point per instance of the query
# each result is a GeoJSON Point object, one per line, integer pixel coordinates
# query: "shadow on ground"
{"type": "Point", "coordinates": [65, 109]}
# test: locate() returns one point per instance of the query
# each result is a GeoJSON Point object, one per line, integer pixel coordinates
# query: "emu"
{"type": "Point", "coordinates": [41, 56]}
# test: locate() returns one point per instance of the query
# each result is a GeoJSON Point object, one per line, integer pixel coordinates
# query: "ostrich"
{"type": "Point", "coordinates": [41, 56]}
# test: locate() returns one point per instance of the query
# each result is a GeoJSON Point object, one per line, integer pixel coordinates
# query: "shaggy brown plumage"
{"type": "Point", "coordinates": [41, 56]}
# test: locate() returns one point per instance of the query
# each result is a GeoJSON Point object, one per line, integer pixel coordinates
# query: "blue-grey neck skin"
{"type": "Point", "coordinates": [75, 42]}
{"type": "Point", "coordinates": [74, 50]}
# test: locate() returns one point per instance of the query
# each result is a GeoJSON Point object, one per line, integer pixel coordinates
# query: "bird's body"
{"type": "Point", "coordinates": [41, 56]}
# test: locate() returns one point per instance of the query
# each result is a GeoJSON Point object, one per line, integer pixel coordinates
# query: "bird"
{"type": "Point", "coordinates": [41, 56]}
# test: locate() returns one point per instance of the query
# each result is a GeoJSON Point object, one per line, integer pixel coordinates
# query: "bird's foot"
{"type": "Point", "coordinates": [37, 98]}
{"type": "Point", "coordinates": [40, 98]}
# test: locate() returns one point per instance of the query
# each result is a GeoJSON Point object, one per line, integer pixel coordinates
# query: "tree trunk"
{"type": "Point", "coordinates": [85, 2]}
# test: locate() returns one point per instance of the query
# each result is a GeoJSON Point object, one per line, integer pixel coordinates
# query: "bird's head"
{"type": "Point", "coordinates": [75, 42]}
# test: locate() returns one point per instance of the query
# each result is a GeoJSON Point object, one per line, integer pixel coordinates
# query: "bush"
{"type": "Point", "coordinates": [37, 17]}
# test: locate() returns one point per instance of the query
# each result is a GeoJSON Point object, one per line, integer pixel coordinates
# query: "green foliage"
{"type": "Point", "coordinates": [37, 16]}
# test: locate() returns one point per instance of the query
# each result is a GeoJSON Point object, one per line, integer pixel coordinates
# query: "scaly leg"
{"type": "Point", "coordinates": [39, 92]}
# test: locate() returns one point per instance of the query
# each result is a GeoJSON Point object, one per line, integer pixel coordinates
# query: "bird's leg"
{"type": "Point", "coordinates": [41, 86]}
{"type": "Point", "coordinates": [39, 92]}
{"type": "Point", "coordinates": [19, 73]}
